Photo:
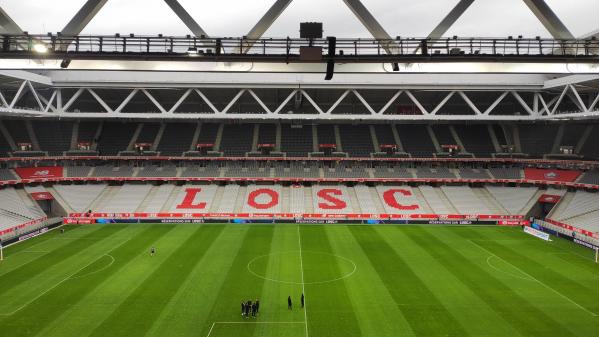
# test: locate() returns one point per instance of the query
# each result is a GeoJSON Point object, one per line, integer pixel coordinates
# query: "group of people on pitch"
{"type": "Point", "coordinates": [250, 309]}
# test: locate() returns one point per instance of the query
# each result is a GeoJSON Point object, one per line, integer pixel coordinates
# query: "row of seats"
{"type": "Point", "coordinates": [175, 138]}
{"type": "Point", "coordinates": [16, 208]}
{"type": "Point", "coordinates": [328, 199]}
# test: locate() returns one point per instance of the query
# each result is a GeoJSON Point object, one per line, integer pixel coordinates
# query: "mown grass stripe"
{"type": "Point", "coordinates": [330, 310]}
{"type": "Point", "coordinates": [135, 316]}
{"type": "Point", "coordinates": [376, 311]}
{"type": "Point", "coordinates": [587, 297]}
{"type": "Point", "coordinates": [515, 310]}
{"type": "Point", "coordinates": [49, 269]}
{"type": "Point", "coordinates": [239, 284]}
{"type": "Point", "coordinates": [73, 291]}
{"type": "Point", "coordinates": [198, 294]}
{"type": "Point", "coordinates": [424, 312]}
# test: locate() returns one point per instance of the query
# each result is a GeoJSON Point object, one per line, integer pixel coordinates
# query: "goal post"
{"type": "Point", "coordinates": [596, 255]}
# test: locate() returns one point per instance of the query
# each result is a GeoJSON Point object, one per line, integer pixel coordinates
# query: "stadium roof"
{"type": "Point", "coordinates": [488, 18]}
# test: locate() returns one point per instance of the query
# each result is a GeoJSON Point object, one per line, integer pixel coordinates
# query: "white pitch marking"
{"type": "Point", "coordinates": [299, 239]}
{"type": "Point", "coordinates": [54, 286]}
{"type": "Point", "coordinates": [537, 280]}
{"type": "Point", "coordinates": [257, 322]}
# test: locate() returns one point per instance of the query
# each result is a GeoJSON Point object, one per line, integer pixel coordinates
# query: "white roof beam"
{"type": "Point", "coordinates": [265, 22]}
{"type": "Point", "coordinates": [371, 24]}
{"type": "Point", "coordinates": [83, 17]}
{"type": "Point", "coordinates": [549, 19]}
{"type": "Point", "coordinates": [567, 80]}
{"type": "Point", "coordinates": [191, 24]}
{"type": "Point", "coordinates": [27, 76]}
{"type": "Point", "coordinates": [7, 25]}
{"type": "Point", "coordinates": [450, 19]}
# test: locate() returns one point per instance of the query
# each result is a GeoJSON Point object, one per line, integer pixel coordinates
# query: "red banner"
{"type": "Point", "coordinates": [567, 176]}
{"type": "Point", "coordinates": [41, 196]}
{"type": "Point", "coordinates": [39, 172]}
{"type": "Point", "coordinates": [550, 198]}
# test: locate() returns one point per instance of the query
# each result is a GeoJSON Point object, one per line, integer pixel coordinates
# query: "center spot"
{"type": "Point", "coordinates": [286, 267]}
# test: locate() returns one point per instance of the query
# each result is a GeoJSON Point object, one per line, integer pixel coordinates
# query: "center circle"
{"type": "Point", "coordinates": [290, 267]}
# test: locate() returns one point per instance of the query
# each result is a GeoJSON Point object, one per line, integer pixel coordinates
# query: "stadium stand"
{"type": "Point", "coordinates": [156, 198]}
{"type": "Point", "coordinates": [176, 139]}
{"type": "Point", "coordinates": [7, 174]}
{"type": "Point", "coordinates": [506, 172]}
{"type": "Point", "coordinates": [296, 141]}
{"type": "Point", "coordinates": [416, 140]}
{"type": "Point", "coordinates": [465, 201]}
{"type": "Point", "coordinates": [582, 203]}
{"type": "Point", "coordinates": [476, 139]}
{"type": "Point", "coordinates": [210, 169]}
{"type": "Point", "coordinates": [590, 149]}
{"type": "Point", "coordinates": [297, 199]}
{"type": "Point", "coordinates": [365, 200]}
{"type": "Point", "coordinates": [113, 171]}
{"type": "Point", "coordinates": [237, 139]}
{"type": "Point", "coordinates": [356, 140]}
{"type": "Point", "coordinates": [259, 198]}
{"type": "Point", "coordinates": [166, 170]}
{"type": "Point", "coordinates": [513, 199]}
{"type": "Point", "coordinates": [148, 133]}
{"type": "Point", "coordinates": [470, 173]}
{"type": "Point", "coordinates": [229, 197]}
{"type": "Point", "coordinates": [80, 197]}
{"type": "Point", "coordinates": [333, 199]}
{"type": "Point", "coordinates": [590, 177]}
{"type": "Point", "coordinates": [124, 199]}
{"type": "Point", "coordinates": [53, 137]}
{"type": "Point", "coordinates": [436, 200]}
{"type": "Point", "coordinates": [439, 172]}
{"type": "Point", "coordinates": [537, 140]}
{"type": "Point", "coordinates": [115, 137]}
{"type": "Point", "coordinates": [78, 171]}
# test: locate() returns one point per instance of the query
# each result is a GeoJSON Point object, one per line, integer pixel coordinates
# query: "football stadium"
{"type": "Point", "coordinates": [307, 168]}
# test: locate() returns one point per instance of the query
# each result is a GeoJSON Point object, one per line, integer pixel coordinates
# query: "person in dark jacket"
{"type": "Point", "coordinates": [289, 304]}
{"type": "Point", "coordinates": [302, 300]}
{"type": "Point", "coordinates": [257, 306]}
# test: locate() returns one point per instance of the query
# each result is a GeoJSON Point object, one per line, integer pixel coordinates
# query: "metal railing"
{"type": "Point", "coordinates": [344, 49]}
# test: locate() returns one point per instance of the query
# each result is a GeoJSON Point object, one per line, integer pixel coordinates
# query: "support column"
{"type": "Point", "coordinates": [397, 138]}
{"type": "Point", "coordinates": [219, 136]}
{"type": "Point", "coordinates": [158, 136]}
{"type": "Point", "coordinates": [255, 137]}
{"type": "Point", "coordinates": [557, 141]}
{"type": "Point", "coordinates": [431, 134]}
{"type": "Point", "coordinates": [196, 136]}
{"type": "Point", "coordinates": [494, 138]}
{"type": "Point", "coordinates": [135, 136]}
{"type": "Point", "coordinates": [338, 138]}
{"type": "Point", "coordinates": [375, 141]}
{"type": "Point", "coordinates": [314, 138]}
{"type": "Point", "coordinates": [74, 136]}
{"type": "Point", "coordinates": [278, 138]}
{"type": "Point", "coordinates": [8, 137]}
{"type": "Point", "coordinates": [457, 139]}
{"type": "Point", "coordinates": [97, 136]}
{"type": "Point", "coordinates": [34, 143]}
{"type": "Point", "coordinates": [583, 139]}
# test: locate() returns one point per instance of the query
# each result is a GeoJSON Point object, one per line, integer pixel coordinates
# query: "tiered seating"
{"type": "Point", "coordinates": [588, 221]}
{"type": "Point", "coordinates": [384, 171]}
{"type": "Point", "coordinates": [589, 149]}
{"type": "Point", "coordinates": [267, 134]}
{"type": "Point", "coordinates": [537, 140]}
{"type": "Point", "coordinates": [78, 171]}
{"type": "Point", "coordinates": [262, 199]}
{"type": "Point", "coordinates": [15, 210]}
{"type": "Point", "coordinates": [204, 195]}
{"type": "Point", "coordinates": [237, 139]}
{"type": "Point", "coordinates": [572, 133]}
{"type": "Point", "coordinates": [148, 133]}
{"type": "Point", "coordinates": [298, 170]}
{"type": "Point", "coordinates": [115, 137]}
{"type": "Point", "coordinates": [113, 171]}
{"type": "Point", "coordinates": [505, 172]}
{"type": "Point", "coordinates": [406, 199]}
{"type": "Point", "coordinates": [469, 173]}
{"type": "Point", "coordinates": [176, 139]}
{"type": "Point", "coordinates": [464, 200]}
{"type": "Point", "coordinates": [157, 171]}
{"type": "Point", "coordinates": [227, 204]}
{"type": "Point", "coordinates": [590, 177]}
{"type": "Point", "coordinates": [416, 140]}
{"type": "Point", "coordinates": [87, 131]}
{"type": "Point", "coordinates": [384, 134]}
{"type": "Point", "coordinates": [249, 169]}
{"type": "Point", "coordinates": [343, 170]}
{"type": "Point", "coordinates": [433, 199]}
{"type": "Point", "coordinates": [297, 199]}
{"type": "Point", "coordinates": [476, 139]}
{"type": "Point", "coordinates": [326, 134]}
{"type": "Point", "coordinates": [365, 199]}
{"type": "Point", "coordinates": [4, 147]}
{"type": "Point", "coordinates": [296, 142]}
{"type": "Point", "coordinates": [17, 130]}
{"type": "Point", "coordinates": [210, 169]}
{"type": "Point", "coordinates": [155, 202]}
{"type": "Point", "coordinates": [439, 173]}
{"type": "Point", "coordinates": [126, 199]}
{"type": "Point", "coordinates": [512, 199]}
{"type": "Point", "coordinates": [443, 134]}
{"type": "Point", "coordinates": [80, 197]}
{"type": "Point", "coordinates": [356, 140]}
{"type": "Point", "coordinates": [7, 174]}
{"type": "Point", "coordinates": [582, 203]}
{"type": "Point", "coordinates": [53, 136]}
{"type": "Point", "coordinates": [331, 199]}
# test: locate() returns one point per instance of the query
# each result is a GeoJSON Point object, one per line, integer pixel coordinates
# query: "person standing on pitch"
{"type": "Point", "coordinates": [289, 306]}
{"type": "Point", "coordinates": [247, 309]}
{"type": "Point", "coordinates": [302, 300]}
{"type": "Point", "coordinates": [257, 306]}
{"type": "Point", "coordinates": [242, 308]}
{"type": "Point", "coordinates": [254, 310]}
{"type": "Point", "coordinates": [152, 251]}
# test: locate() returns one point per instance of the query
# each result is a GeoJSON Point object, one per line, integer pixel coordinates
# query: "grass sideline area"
{"type": "Point", "coordinates": [358, 280]}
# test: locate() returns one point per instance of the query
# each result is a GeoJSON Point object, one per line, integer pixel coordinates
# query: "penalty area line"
{"type": "Point", "coordinates": [536, 279]}
{"type": "Point", "coordinates": [257, 322]}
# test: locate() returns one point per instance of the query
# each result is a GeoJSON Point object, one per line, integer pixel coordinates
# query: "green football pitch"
{"type": "Point", "coordinates": [358, 280]}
